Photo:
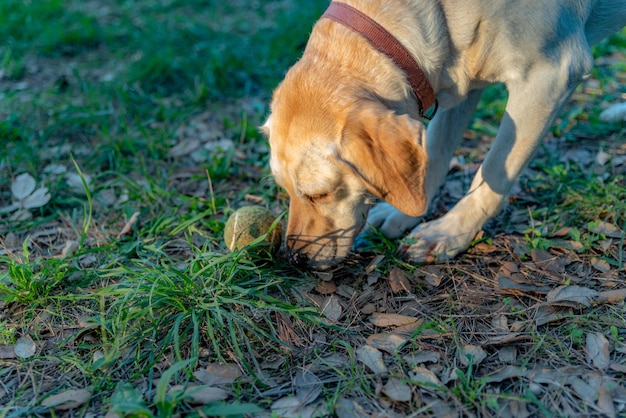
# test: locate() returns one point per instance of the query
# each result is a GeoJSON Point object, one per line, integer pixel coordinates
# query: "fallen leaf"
{"type": "Point", "coordinates": [25, 347]}
{"type": "Point", "coordinates": [75, 181]}
{"type": "Point", "coordinates": [390, 343]}
{"type": "Point", "coordinates": [500, 323]}
{"type": "Point", "coordinates": [391, 320]}
{"type": "Point", "coordinates": [345, 291]}
{"type": "Point", "coordinates": [399, 282]}
{"type": "Point", "coordinates": [7, 352]}
{"type": "Point", "coordinates": [471, 354]}
{"type": "Point", "coordinates": [218, 374]}
{"type": "Point", "coordinates": [433, 275]}
{"type": "Point", "coordinates": [605, 401]}
{"type": "Point", "coordinates": [571, 296]}
{"type": "Point", "coordinates": [547, 261]}
{"type": "Point", "coordinates": [397, 390]}
{"type": "Point", "coordinates": [602, 158]}
{"type": "Point", "coordinates": [308, 386]}
{"type": "Point", "coordinates": [22, 186]}
{"type": "Point", "coordinates": [546, 314]}
{"type": "Point", "coordinates": [507, 268]}
{"type": "Point", "coordinates": [201, 394]}
{"type": "Point", "coordinates": [600, 265]}
{"type": "Point", "coordinates": [290, 406]}
{"type": "Point", "coordinates": [70, 399]}
{"type": "Point", "coordinates": [508, 354]}
{"type": "Point", "coordinates": [421, 357]}
{"type": "Point", "coordinates": [425, 377]}
{"type": "Point", "coordinates": [508, 372]}
{"type": "Point", "coordinates": [349, 408]}
{"type": "Point", "coordinates": [484, 248]}
{"type": "Point", "coordinates": [604, 228]}
{"type": "Point", "coordinates": [582, 388]}
{"type": "Point", "coordinates": [507, 283]}
{"type": "Point", "coordinates": [184, 147]}
{"type": "Point", "coordinates": [372, 358]}
{"type": "Point", "coordinates": [611, 296]}
{"type": "Point", "coordinates": [326, 288]}
{"type": "Point", "coordinates": [598, 350]}
{"type": "Point", "coordinates": [37, 199]}
{"type": "Point", "coordinates": [331, 308]}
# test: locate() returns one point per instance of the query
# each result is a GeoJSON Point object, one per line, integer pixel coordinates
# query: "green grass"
{"type": "Point", "coordinates": [122, 279]}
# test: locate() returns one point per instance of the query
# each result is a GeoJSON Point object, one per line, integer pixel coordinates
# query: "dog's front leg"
{"type": "Point", "coordinates": [531, 108]}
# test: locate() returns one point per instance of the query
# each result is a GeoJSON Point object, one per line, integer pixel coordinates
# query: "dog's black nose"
{"type": "Point", "coordinates": [296, 258]}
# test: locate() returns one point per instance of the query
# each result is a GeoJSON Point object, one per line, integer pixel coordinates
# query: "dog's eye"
{"type": "Point", "coordinates": [317, 197]}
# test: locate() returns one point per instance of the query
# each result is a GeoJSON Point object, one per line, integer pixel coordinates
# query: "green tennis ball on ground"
{"type": "Point", "coordinates": [247, 224]}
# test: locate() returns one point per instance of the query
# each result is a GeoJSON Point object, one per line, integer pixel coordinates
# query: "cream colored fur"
{"type": "Point", "coordinates": [344, 130]}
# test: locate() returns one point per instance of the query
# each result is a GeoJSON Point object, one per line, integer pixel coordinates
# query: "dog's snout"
{"type": "Point", "coordinates": [296, 258]}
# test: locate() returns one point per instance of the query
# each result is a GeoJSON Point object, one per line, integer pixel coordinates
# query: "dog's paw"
{"type": "Point", "coordinates": [436, 242]}
{"type": "Point", "coordinates": [614, 113]}
{"type": "Point", "coordinates": [389, 221]}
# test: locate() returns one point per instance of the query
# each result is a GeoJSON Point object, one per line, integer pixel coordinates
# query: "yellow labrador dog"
{"type": "Point", "coordinates": [345, 128]}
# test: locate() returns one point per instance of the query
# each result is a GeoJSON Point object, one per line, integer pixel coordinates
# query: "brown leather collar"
{"type": "Point", "coordinates": [387, 44]}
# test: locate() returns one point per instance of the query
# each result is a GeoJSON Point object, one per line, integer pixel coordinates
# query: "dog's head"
{"type": "Point", "coordinates": [335, 148]}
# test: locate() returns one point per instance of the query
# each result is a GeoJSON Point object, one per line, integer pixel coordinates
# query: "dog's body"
{"type": "Point", "coordinates": [344, 126]}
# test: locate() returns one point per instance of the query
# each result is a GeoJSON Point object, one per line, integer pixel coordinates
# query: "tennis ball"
{"type": "Point", "coordinates": [247, 224]}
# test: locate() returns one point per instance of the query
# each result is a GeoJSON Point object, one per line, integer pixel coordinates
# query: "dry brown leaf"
{"type": "Point", "coordinates": [399, 282]}
{"type": "Point", "coordinates": [508, 354]}
{"type": "Point", "coordinates": [508, 372]}
{"type": "Point", "coordinates": [582, 388]}
{"type": "Point", "coordinates": [471, 354]}
{"type": "Point", "coordinates": [25, 347]}
{"type": "Point", "coordinates": [372, 358]}
{"type": "Point", "coordinates": [600, 265]}
{"type": "Point", "coordinates": [397, 390]}
{"type": "Point", "coordinates": [611, 296]}
{"type": "Point", "coordinates": [507, 269]}
{"type": "Point", "coordinates": [508, 338]}
{"type": "Point", "coordinates": [184, 147]}
{"type": "Point", "coordinates": [201, 394]}
{"type": "Point", "coordinates": [290, 406]}
{"type": "Point", "coordinates": [433, 275]}
{"type": "Point", "coordinates": [506, 283]}
{"type": "Point", "coordinates": [7, 352]}
{"type": "Point", "coordinates": [547, 314]}
{"type": "Point", "coordinates": [620, 368]}
{"type": "Point", "coordinates": [547, 261]}
{"type": "Point", "coordinates": [605, 401]}
{"type": "Point", "coordinates": [605, 228]}
{"type": "Point", "coordinates": [571, 296]}
{"type": "Point", "coordinates": [349, 408]}
{"type": "Point", "coordinates": [598, 350]}
{"type": "Point", "coordinates": [484, 248]}
{"type": "Point", "coordinates": [308, 386]}
{"type": "Point", "coordinates": [421, 357]}
{"type": "Point", "coordinates": [326, 288]}
{"type": "Point", "coordinates": [390, 343]}
{"type": "Point", "coordinates": [391, 320]}
{"type": "Point", "coordinates": [425, 377]}
{"type": "Point", "coordinates": [70, 399]}
{"type": "Point", "coordinates": [331, 308]}
{"type": "Point", "coordinates": [500, 323]}
{"type": "Point", "coordinates": [218, 374]}
{"type": "Point", "coordinates": [562, 232]}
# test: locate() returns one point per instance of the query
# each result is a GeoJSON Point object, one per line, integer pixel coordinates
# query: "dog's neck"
{"type": "Point", "coordinates": [384, 42]}
{"type": "Point", "coordinates": [419, 25]}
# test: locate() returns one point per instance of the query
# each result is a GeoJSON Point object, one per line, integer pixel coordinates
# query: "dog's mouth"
{"type": "Point", "coordinates": [320, 253]}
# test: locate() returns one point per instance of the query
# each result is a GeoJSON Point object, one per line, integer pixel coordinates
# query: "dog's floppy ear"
{"type": "Point", "coordinates": [386, 150]}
